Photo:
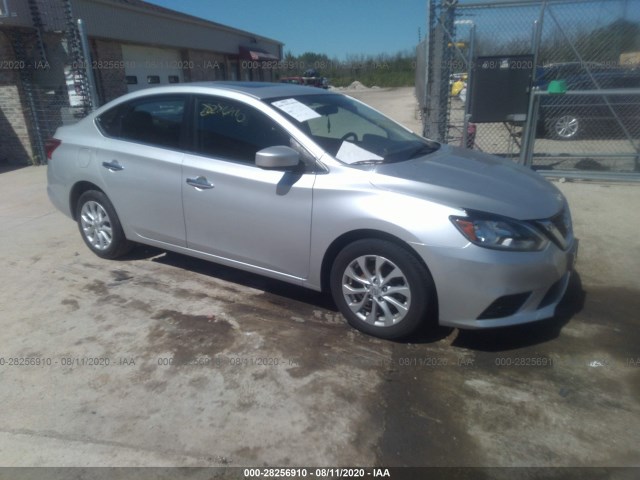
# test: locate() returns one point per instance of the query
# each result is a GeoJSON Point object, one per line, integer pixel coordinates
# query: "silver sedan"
{"type": "Point", "coordinates": [317, 189]}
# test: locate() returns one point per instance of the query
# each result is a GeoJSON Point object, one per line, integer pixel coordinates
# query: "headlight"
{"type": "Point", "coordinates": [499, 233]}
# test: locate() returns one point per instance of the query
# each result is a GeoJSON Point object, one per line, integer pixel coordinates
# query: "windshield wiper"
{"type": "Point", "coordinates": [367, 162]}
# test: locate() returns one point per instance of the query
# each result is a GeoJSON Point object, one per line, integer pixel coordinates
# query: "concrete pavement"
{"type": "Point", "coordinates": [159, 359]}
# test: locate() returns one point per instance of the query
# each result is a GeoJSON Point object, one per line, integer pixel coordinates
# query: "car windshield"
{"type": "Point", "coordinates": [350, 131]}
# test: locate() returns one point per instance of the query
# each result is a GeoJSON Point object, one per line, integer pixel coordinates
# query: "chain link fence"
{"type": "Point", "coordinates": [593, 47]}
{"type": "Point", "coordinates": [53, 74]}
{"type": "Point", "coordinates": [51, 49]}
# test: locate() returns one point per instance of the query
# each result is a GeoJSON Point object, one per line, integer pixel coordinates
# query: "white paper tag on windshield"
{"type": "Point", "coordinates": [297, 110]}
{"type": "Point", "coordinates": [351, 153]}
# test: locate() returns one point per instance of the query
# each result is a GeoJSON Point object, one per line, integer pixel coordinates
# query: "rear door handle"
{"type": "Point", "coordinates": [113, 166]}
{"type": "Point", "coordinates": [200, 182]}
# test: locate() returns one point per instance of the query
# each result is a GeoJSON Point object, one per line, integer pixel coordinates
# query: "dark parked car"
{"type": "Point", "coordinates": [568, 117]}
{"type": "Point", "coordinates": [564, 70]}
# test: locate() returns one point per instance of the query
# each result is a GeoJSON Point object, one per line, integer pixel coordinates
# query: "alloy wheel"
{"type": "Point", "coordinates": [376, 290]}
{"type": "Point", "coordinates": [96, 225]}
{"type": "Point", "coordinates": [567, 126]}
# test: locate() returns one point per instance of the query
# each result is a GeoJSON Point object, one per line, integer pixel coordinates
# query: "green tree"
{"type": "Point", "coordinates": [382, 70]}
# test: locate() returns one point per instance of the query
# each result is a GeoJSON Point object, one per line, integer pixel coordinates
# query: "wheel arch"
{"type": "Point", "coordinates": [76, 191]}
{"type": "Point", "coordinates": [432, 315]}
{"type": "Point", "coordinates": [362, 234]}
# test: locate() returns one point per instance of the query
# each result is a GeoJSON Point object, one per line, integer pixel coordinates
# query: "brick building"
{"type": "Point", "coordinates": [127, 44]}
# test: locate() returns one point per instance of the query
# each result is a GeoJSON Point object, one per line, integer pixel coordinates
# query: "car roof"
{"type": "Point", "coordinates": [259, 90]}
{"type": "Point", "coordinates": [264, 90]}
{"type": "Point", "coordinates": [607, 77]}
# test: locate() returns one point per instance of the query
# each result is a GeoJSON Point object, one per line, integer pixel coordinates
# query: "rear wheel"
{"type": "Point", "coordinates": [381, 288]}
{"type": "Point", "coordinates": [100, 227]}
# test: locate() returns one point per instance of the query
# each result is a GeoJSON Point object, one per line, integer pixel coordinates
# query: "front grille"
{"type": "Point", "coordinates": [557, 229]}
{"type": "Point", "coordinates": [505, 306]}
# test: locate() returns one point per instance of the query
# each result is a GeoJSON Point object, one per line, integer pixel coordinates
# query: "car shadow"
{"type": "Point", "coordinates": [141, 252]}
{"type": "Point", "coordinates": [233, 275]}
{"type": "Point", "coordinates": [493, 340]}
{"type": "Point", "coordinates": [520, 336]}
{"type": "Point", "coordinates": [430, 332]}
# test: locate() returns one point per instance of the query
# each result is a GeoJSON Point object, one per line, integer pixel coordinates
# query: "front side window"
{"type": "Point", "coordinates": [350, 131]}
{"type": "Point", "coordinates": [232, 130]}
{"type": "Point", "coordinates": [154, 120]}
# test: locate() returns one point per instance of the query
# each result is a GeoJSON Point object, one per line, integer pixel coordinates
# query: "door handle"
{"type": "Point", "coordinates": [113, 166]}
{"type": "Point", "coordinates": [200, 182]}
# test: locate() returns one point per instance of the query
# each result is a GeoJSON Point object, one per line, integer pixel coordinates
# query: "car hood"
{"type": "Point", "coordinates": [468, 179]}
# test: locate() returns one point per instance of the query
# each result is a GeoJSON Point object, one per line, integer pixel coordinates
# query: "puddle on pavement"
{"type": "Point", "coordinates": [188, 337]}
{"type": "Point", "coordinates": [97, 287]}
{"type": "Point", "coordinates": [423, 425]}
{"type": "Point", "coordinates": [121, 275]}
{"type": "Point", "coordinates": [425, 421]}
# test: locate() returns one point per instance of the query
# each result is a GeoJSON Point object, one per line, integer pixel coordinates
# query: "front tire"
{"type": "Point", "coordinates": [565, 127]}
{"type": "Point", "coordinates": [100, 227]}
{"type": "Point", "coordinates": [381, 288]}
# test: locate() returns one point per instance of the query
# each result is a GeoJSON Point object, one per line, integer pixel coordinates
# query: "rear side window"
{"type": "Point", "coordinates": [232, 130]}
{"type": "Point", "coordinates": [154, 120]}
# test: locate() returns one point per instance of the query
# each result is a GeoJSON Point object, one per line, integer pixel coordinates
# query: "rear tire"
{"type": "Point", "coordinates": [381, 288]}
{"type": "Point", "coordinates": [100, 227]}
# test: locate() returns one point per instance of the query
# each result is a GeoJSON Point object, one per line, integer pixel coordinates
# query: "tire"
{"type": "Point", "coordinates": [100, 227]}
{"type": "Point", "coordinates": [564, 127]}
{"type": "Point", "coordinates": [367, 301]}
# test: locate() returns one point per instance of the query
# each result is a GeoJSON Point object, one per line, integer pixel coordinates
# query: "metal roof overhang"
{"type": "Point", "coordinates": [256, 54]}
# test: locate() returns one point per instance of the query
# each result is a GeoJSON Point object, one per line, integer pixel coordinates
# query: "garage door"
{"type": "Point", "coordinates": [151, 66]}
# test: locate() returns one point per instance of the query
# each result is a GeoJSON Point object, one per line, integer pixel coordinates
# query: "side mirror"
{"type": "Point", "coordinates": [277, 158]}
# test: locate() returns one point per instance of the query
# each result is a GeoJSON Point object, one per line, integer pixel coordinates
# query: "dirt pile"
{"type": "Point", "coordinates": [357, 86]}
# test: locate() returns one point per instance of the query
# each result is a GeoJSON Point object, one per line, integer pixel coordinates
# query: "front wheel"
{"type": "Point", "coordinates": [381, 288]}
{"type": "Point", "coordinates": [99, 225]}
{"type": "Point", "coordinates": [565, 127]}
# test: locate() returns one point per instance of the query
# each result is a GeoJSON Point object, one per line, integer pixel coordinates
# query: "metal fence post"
{"type": "Point", "coordinates": [427, 66]}
{"type": "Point", "coordinates": [26, 79]}
{"type": "Point", "coordinates": [467, 100]}
{"type": "Point", "coordinates": [88, 68]}
{"type": "Point", "coordinates": [530, 126]}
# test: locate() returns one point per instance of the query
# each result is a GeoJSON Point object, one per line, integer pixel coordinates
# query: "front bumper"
{"type": "Point", "coordinates": [479, 288]}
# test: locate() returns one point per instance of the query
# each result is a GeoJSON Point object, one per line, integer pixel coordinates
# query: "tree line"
{"type": "Point", "coordinates": [382, 70]}
{"type": "Point", "coordinates": [603, 45]}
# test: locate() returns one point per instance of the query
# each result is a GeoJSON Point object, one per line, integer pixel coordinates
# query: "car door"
{"type": "Point", "coordinates": [258, 219]}
{"type": "Point", "coordinates": [140, 161]}
{"type": "Point", "coordinates": [626, 105]}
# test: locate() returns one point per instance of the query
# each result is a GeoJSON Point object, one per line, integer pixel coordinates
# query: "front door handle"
{"type": "Point", "coordinates": [113, 166]}
{"type": "Point", "coordinates": [200, 182]}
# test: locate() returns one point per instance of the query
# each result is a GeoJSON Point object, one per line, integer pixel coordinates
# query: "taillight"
{"type": "Point", "coordinates": [50, 145]}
